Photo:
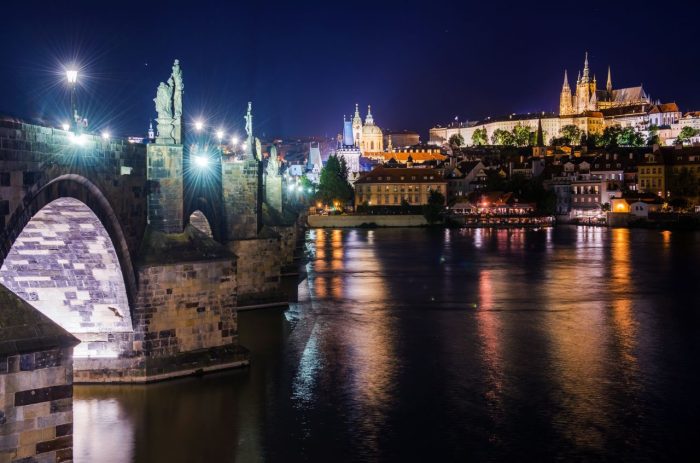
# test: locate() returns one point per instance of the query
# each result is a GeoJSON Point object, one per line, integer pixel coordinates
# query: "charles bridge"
{"type": "Point", "coordinates": [127, 262]}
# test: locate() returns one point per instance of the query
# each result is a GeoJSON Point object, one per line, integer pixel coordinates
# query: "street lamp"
{"type": "Point", "coordinates": [198, 125]}
{"type": "Point", "coordinates": [220, 135]}
{"type": "Point", "coordinates": [72, 77]}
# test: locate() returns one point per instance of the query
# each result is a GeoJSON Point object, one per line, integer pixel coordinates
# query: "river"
{"type": "Point", "coordinates": [442, 345]}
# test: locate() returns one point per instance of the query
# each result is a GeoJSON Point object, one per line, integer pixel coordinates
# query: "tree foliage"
{"type": "Point", "coordinates": [630, 137]}
{"type": "Point", "coordinates": [571, 134]}
{"type": "Point", "coordinates": [686, 134]}
{"type": "Point", "coordinates": [502, 137]}
{"type": "Point", "coordinates": [434, 209]}
{"type": "Point", "coordinates": [521, 135]}
{"type": "Point", "coordinates": [480, 137]}
{"type": "Point", "coordinates": [456, 141]}
{"type": "Point", "coordinates": [684, 184]}
{"type": "Point", "coordinates": [333, 184]}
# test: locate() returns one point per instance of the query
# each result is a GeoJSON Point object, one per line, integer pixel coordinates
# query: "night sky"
{"type": "Point", "coordinates": [305, 64]}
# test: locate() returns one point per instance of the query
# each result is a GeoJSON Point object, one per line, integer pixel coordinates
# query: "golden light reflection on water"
{"type": "Point", "coordinates": [575, 329]}
{"type": "Point", "coordinates": [353, 272]}
{"type": "Point", "coordinates": [624, 322]}
{"type": "Point", "coordinates": [490, 334]}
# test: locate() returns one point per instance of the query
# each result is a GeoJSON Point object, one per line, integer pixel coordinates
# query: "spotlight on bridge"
{"type": "Point", "coordinates": [78, 139]}
{"type": "Point", "coordinates": [220, 135]}
{"type": "Point", "coordinates": [234, 140]}
{"type": "Point", "coordinates": [201, 161]}
{"type": "Point", "coordinates": [198, 125]}
{"type": "Point", "coordinates": [65, 126]}
{"type": "Point", "coordinates": [72, 76]}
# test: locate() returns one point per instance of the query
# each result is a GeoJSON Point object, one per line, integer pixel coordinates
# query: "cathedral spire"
{"type": "Point", "coordinates": [586, 70]}
{"type": "Point", "coordinates": [609, 84]}
{"type": "Point", "coordinates": [565, 87]}
{"type": "Point", "coordinates": [357, 110]}
{"type": "Point", "coordinates": [539, 141]}
{"type": "Point", "coordinates": [369, 120]}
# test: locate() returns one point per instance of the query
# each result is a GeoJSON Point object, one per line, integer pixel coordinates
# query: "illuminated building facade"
{"type": "Point", "coordinates": [386, 186]}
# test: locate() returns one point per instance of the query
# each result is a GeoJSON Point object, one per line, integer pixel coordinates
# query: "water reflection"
{"type": "Point", "coordinates": [410, 345]}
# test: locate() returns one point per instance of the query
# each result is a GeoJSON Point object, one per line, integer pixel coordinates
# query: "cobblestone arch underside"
{"type": "Point", "coordinates": [65, 265]}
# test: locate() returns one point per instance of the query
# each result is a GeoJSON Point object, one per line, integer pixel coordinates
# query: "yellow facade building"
{"type": "Point", "coordinates": [385, 186]}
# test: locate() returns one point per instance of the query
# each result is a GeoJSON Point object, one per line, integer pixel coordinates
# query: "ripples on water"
{"type": "Point", "coordinates": [442, 345]}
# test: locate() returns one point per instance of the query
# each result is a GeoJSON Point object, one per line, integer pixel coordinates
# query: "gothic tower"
{"type": "Point", "coordinates": [357, 126]}
{"type": "Point", "coordinates": [565, 106]}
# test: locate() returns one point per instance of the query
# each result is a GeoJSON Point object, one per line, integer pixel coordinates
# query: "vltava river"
{"type": "Point", "coordinates": [442, 345]}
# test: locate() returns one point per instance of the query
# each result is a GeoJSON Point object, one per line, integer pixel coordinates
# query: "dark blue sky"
{"type": "Point", "coordinates": [305, 64]}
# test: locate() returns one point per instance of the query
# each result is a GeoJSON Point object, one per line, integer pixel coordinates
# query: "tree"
{"type": "Point", "coordinates": [683, 184]}
{"type": "Point", "coordinates": [610, 136]}
{"type": "Point", "coordinates": [571, 134]}
{"type": "Point", "coordinates": [456, 141]}
{"type": "Point", "coordinates": [344, 171]}
{"type": "Point", "coordinates": [333, 185]}
{"type": "Point", "coordinates": [521, 135]}
{"type": "Point", "coordinates": [686, 134]}
{"type": "Point", "coordinates": [480, 137]}
{"type": "Point", "coordinates": [653, 138]}
{"type": "Point", "coordinates": [630, 137]}
{"type": "Point", "coordinates": [502, 138]}
{"type": "Point", "coordinates": [435, 207]}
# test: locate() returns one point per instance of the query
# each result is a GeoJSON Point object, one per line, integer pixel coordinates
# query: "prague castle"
{"type": "Point", "coordinates": [589, 108]}
{"type": "Point", "coordinates": [589, 98]}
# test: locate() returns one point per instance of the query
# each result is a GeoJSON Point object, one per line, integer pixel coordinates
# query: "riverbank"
{"type": "Point", "coordinates": [370, 221]}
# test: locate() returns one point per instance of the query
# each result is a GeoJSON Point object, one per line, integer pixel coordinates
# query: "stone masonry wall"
{"type": "Point", "coordinates": [257, 270]}
{"type": "Point", "coordinates": [240, 190]}
{"type": "Point", "coordinates": [31, 156]}
{"type": "Point", "coordinates": [165, 196]}
{"type": "Point", "coordinates": [185, 307]}
{"type": "Point", "coordinates": [63, 263]}
{"type": "Point", "coordinates": [288, 243]}
{"type": "Point", "coordinates": [273, 191]}
{"type": "Point", "coordinates": [36, 407]}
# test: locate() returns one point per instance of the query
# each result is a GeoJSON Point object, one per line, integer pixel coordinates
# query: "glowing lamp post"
{"type": "Point", "coordinates": [72, 78]}
{"type": "Point", "coordinates": [198, 125]}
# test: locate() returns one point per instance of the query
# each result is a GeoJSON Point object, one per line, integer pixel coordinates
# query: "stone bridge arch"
{"type": "Point", "coordinates": [88, 242]}
{"type": "Point", "coordinates": [203, 216]}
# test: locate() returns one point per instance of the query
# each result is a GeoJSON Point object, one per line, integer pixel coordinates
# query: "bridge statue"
{"type": "Point", "coordinates": [273, 164]}
{"type": "Point", "coordinates": [164, 108]}
{"type": "Point", "coordinates": [177, 85]}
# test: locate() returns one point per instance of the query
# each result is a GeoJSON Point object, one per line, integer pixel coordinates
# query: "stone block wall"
{"type": "Point", "coordinates": [165, 195]}
{"type": "Point", "coordinates": [36, 406]}
{"type": "Point", "coordinates": [273, 191]}
{"type": "Point", "coordinates": [185, 307]}
{"type": "Point", "coordinates": [240, 184]}
{"type": "Point", "coordinates": [31, 156]}
{"type": "Point", "coordinates": [288, 242]}
{"type": "Point", "coordinates": [257, 270]}
{"type": "Point", "coordinates": [185, 321]}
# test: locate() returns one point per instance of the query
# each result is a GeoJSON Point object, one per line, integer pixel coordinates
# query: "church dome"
{"type": "Point", "coordinates": [371, 130]}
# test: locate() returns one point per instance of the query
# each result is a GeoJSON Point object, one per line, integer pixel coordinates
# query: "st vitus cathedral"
{"type": "Point", "coordinates": [589, 98]}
